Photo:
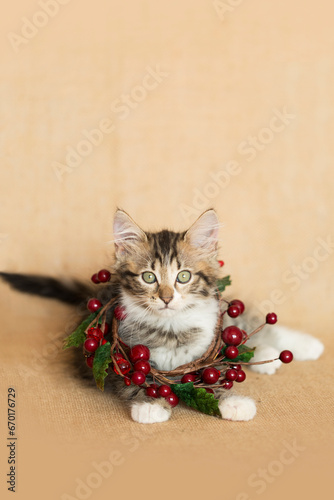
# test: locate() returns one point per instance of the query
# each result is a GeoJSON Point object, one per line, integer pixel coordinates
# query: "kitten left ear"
{"type": "Point", "coordinates": [204, 232]}
{"type": "Point", "coordinates": [127, 235]}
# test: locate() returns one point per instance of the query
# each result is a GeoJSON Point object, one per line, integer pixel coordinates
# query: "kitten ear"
{"type": "Point", "coordinates": [127, 235]}
{"type": "Point", "coordinates": [204, 232]}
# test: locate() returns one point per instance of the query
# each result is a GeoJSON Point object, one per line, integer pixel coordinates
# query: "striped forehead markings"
{"type": "Point", "coordinates": [165, 245]}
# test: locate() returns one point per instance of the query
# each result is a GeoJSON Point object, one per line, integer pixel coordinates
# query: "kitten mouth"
{"type": "Point", "coordinates": [166, 311]}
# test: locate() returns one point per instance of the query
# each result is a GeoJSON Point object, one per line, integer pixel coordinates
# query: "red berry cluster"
{"type": "Point", "coordinates": [139, 356]}
{"type": "Point", "coordinates": [138, 362]}
{"type": "Point", "coordinates": [163, 391]}
{"type": "Point", "coordinates": [232, 336]}
{"type": "Point", "coordinates": [95, 338]}
{"type": "Point", "coordinates": [134, 366]}
{"type": "Point", "coordinates": [235, 308]}
{"type": "Point", "coordinates": [211, 376]}
{"type": "Point", "coordinates": [101, 277]}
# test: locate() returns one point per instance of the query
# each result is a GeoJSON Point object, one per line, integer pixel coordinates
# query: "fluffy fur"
{"type": "Point", "coordinates": [166, 282]}
{"type": "Point", "coordinates": [175, 320]}
{"type": "Point", "coordinates": [237, 408]}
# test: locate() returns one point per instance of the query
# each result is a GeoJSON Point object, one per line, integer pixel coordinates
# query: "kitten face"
{"type": "Point", "coordinates": [165, 273]}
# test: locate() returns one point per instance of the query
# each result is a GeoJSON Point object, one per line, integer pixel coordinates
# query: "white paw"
{"type": "Point", "coordinates": [237, 408]}
{"type": "Point", "coordinates": [311, 348]}
{"type": "Point", "coordinates": [302, 345]}
{"type": "Point", "coordinates": [262, 353]}
{"type": "Point", "coordinates": [149, 413]}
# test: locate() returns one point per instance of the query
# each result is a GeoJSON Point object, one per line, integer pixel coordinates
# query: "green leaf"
{"type": "Point", "coordinates": [102, 359]}
{"type": "Point", "coordinates": [223, 283]}
{"type": "Point", "coordinates": [245, 353]}
{"type": "Point", "coordinates": [78, 337]}
{"type": "Point", "coordinates": [197, 398]}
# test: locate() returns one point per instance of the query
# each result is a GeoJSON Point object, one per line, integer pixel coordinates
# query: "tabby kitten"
{"type": "Point", "coordinates": [167, 285]}
{"type": "Point", "coordinates": [166, 282]}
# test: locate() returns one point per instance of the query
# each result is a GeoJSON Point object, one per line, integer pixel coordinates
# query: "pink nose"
{"type": "Point", "coordinates": [166, 300]}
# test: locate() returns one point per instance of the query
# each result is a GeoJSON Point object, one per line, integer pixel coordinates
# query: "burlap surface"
{"type": "Point", "coordinates": [165, 109]}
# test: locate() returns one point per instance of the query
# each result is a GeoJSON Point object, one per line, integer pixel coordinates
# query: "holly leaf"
{"type": "Point", "coordinates": [245, 354]}
{"type": "Point", "coordinates": [102, 360]}
{"type": "Point", "coordinates": [222, 283]}
{"type": "Point", "coordinates": [78, 337]}
{"type": "Point", "coordinates": [197, 398]}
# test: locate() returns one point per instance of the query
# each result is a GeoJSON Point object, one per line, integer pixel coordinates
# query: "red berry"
{"type": "Point", "coordinates": [95, 279]}
{"type": "Point", "coordinates": [211, 391]}
{"type": "Point", "coordinates": [89, 361]}
{"type": "Point", "coordinates": [235, 367]}
{"type": "Point", "coordinates": [232, 335]}
{"type": "Point", "coordinates": [172, 399]}
{"type": "Point", "coordinates": [221, 263]}
{"type": "Point", "coordinates": [286, 356]}
{"type": "Point", "coordinates": [241, 375]}
{"type": "Point", "coordinates": [120, 313]}
{"type": "Point", "coordinates": [231, 352]}
{"type": "Point", "coordinates": [152, 392]}
{"type": "Point", "coordinates": [271, 318]}
{"type": "Point", "coordinates": [95, 332]}
{"type": "Point", "coordinates": [142, 366]}
{"type": "Point", "coordinates": [139, 352]}
{"type": "Point", "coordinates": [93, 305]}
{"type": "Point", "coordinates": [210, 375]}
{"type": "Point", "coordinates": [233, 311]}
{"type": "Point", "coordinates": [138, 378]}
{"type": "Point", "coordinates": [127, 381]}
{"type": "Point", "coordinates": [115, 369]}
{"type": "Point", "coordinates": [227, 384]}
{"type": "Point", "coordinates": [239, 304]}
{"type": "Point", "coordinates": [118, 363]}
{"type": "Point", "coordinates": [231, 374]}
{"type": "Point", "coordinates": [106, 329]}
{"type": "Point", "coordinates": [188, 377]}
{"type": "Point", "coordinates": [155, 386]}
{"type": "Point", "coordinates": [103, 275]}
{"type": "Point", "coordinates": [164, 391]}
{"type": "Point", "coordinates": [124, 366]}
{"type": "Point", "coordinates": [118, 357]}
{"type": "Point", "coordinates": [103, 341]}
{"type": "Point", "coordinates": [91, 344]}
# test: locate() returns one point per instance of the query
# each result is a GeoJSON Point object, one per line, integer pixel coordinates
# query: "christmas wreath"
{"type": "Point", "coordinates": [193, 383]}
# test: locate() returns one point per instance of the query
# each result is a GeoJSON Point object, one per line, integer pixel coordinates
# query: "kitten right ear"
{"type": "Point", "coordinates": [127, 235]}
{"type": "Point", "coordinates": [203, 234]}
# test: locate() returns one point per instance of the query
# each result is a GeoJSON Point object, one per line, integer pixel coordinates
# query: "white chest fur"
{"type": "Point", "coordinates": [203, 317]}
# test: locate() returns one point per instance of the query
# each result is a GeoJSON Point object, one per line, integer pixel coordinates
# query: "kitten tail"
{"type": "Point", "coordinates": [72, 292]}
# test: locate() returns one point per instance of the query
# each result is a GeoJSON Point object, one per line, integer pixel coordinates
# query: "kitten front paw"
{"type": "Point", "coordinates": [237, 408]}
{"type": "Point", "coordinates": [149, 413]}
{"type": "Point", "coordinates": [262, 353]}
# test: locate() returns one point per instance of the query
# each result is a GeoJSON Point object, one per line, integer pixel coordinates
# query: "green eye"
{"type": "Point", "coordinates": [149, 277]}
{"type": "Point", "coordinates": [183, 277]}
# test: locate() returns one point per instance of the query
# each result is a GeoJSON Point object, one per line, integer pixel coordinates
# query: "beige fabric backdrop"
{"type": "Point", "coordinates": [166, 109]}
